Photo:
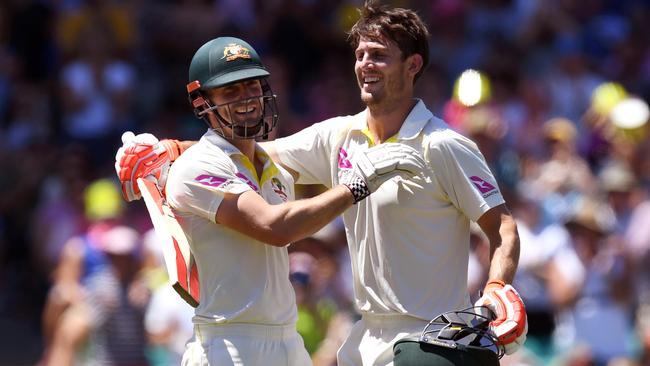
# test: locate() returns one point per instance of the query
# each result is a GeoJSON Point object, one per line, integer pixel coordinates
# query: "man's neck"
{"type": "Point", "coordinates": [246, 146]}
{"type": "Point", "coordinates": [384, 122]}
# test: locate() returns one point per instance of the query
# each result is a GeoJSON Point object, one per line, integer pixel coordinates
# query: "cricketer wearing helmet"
{"type": "Point", "coordinates": [235, 207]}
{"type": "Point", "coordinates": [409, 242]}
{"type": "Point", "coordinates": [227, 62]}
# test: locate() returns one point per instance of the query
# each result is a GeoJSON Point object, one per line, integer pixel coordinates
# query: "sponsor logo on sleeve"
{"type": "Point", "coordinates": [344, 162]}
{"type": "Point", "coordinates": [220, 182]}
{"type": "Point", "coordinates": [484, 187]}
{"type": "Point", "coordinates": [211, 180]}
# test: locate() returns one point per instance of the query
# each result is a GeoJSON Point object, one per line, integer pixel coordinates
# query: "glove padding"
{"type": "Point", "coordinates": [511, 324]}
{"type": "Point", "coordinates": [143, 156]}
{"type": "Point", "coordinates": [371, 168]}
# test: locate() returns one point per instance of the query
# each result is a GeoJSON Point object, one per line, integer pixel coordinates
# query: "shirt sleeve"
{"type": "Point", "coordinates": [200, 190]}
{"type": "Point", "coordinates": [463, 174]}
{"type": "Point", "coordinates": [308, 152]}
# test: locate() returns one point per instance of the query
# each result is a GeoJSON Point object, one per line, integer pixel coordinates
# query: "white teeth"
{"type": "Point", "coordinates": [249, 110]}
{"type": "Point", "coordinates": [370, 79]}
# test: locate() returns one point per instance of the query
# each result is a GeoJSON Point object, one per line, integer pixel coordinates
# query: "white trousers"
{"type": "Point", "coordinates": [371, 339]}
{"type": "Point", "coordinates": [245, 345]}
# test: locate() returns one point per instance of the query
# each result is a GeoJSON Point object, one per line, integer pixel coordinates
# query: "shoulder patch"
{"type": "Point", "coordinates": [210, 180]}
{"type": "Point", "coordinates": [484, 187]}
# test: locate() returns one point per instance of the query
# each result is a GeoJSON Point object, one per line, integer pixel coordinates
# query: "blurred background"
{"type": "Point", "coordinates": [554, 92]}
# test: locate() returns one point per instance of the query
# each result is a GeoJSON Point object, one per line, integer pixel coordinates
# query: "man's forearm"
{"type": "Point", "coordinates": [505, 252]}
{"type": "Point", "coordinates": [298, 219]}
{"type": "Point", "coordinates": [186, 144]}
{"type": "Point", "coordinates": [501, 230]}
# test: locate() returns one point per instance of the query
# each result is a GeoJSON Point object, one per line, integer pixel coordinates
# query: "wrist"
{"type": "Point", "coordinates": [493, 285]}
{"type": "Point", "coordinates": [174, 148]}
{"type": "Point", "coordinates": [358, 188]}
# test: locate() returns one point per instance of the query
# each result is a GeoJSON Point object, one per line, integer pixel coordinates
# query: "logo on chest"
{"type": "Point", "coordinates": [344, 162]}
{"type": "Point", "coordinates": [279, 188]}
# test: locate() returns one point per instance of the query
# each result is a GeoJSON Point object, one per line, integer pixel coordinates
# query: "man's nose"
{"type": "Point", "coordinates": [366, 62]}
{"type": "Point", "coordinates": [250, 92]}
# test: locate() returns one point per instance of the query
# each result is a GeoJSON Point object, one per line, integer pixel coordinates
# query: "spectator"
{"type": "Point", "coordinates": [168, 318]}
{"type": "Point", "coordinates": [564, 174]}
{"type": "Point", "coordinates": [107, 326]}
{"type": "Point", "coordinates": [96, 92]}
{"type": "Point", "coordinates": [81, 256]}
{"type": "Point", "coordinates": [590, 285]}
{"type": "Point", "coordinates": [540, 241]}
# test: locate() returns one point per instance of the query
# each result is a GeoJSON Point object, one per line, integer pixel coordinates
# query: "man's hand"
{"type": "Point", "coordinates": [143, 156]}
{"type": "Point", "coordinates": [371, 168]}
{"type": "Point", "coordinates": [511, 324]}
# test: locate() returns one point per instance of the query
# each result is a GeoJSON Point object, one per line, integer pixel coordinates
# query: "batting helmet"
{"type": "Point", "coordinates": [224, 61]}
{"type": "Point", "coordinates": [450, 339]}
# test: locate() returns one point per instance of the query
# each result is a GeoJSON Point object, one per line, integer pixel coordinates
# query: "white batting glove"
{"type": "Point", "coordinates": [371, 168]}
{"type": "Point", "coordinates": [143, 156]}
{"type": "Point", "coordinates": [511, 324]}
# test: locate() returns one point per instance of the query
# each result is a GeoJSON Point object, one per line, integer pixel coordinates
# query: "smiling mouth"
{"type": "Point", "coordinates": [369, 80]}
{"type": "Point", "coordinates": [245, 110]}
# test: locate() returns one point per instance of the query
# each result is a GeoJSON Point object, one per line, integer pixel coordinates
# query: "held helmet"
{"type": "Point", "coordinates": [224, 61]}
{"type": "Point", "coordinates": [453, 338]}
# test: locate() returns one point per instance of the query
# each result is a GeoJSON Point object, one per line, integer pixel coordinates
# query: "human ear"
{"type": "Point", "coordinates": [415, 63]}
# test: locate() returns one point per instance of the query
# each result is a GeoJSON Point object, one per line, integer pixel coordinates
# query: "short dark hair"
{"type": "Point", "coordinates": [402, 26]}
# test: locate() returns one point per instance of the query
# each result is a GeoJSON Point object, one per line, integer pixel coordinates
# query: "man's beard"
{"type": "Point", "coordinates": [385, 98]}
{"type": "Point", "coordinates": [373, 98]}
{"type": "Point", "coordinates": [244, 131]}
{"type": "Point", "coordinates": [245, 126]}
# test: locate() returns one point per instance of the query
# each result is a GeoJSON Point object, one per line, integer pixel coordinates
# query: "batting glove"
{"type": "Point", "coordinates": [511, 324]}
{"type": "Point", "coordinates": [371, 168]}
{"type": "Point", "coordinates": [143, 156]}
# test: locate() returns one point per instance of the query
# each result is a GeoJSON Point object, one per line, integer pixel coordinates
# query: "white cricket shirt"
{"type": "Point", "coordinates": [242, 280]}
{"type": "Point", "coordinates": [408, 241]}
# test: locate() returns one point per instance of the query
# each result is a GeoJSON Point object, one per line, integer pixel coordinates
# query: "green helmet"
{"type": "Point", "coordinates": [221, 62]}
{"type": "Point", "coordinates": [453, 338]}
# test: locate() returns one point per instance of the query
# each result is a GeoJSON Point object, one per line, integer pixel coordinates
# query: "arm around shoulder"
{"type": "Point", "coordinates": [279, 225]}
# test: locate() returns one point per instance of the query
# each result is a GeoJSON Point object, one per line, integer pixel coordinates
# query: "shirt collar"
{"type": "Point", "coordinates": [412, 126]}
{"type": "Point", "coordinates": [223, 144]}
{"type": "Point", "coordinates": [415, 121]}
{"type": "Point", "coordinates": [270, 169]}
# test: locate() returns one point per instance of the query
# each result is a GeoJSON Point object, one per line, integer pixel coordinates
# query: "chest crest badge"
{"type": "Point", "coordinates": [279, 188]}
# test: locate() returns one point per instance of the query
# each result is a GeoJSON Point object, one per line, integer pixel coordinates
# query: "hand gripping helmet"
{"type": "Point", "coordinates": [224, 61]}
{"type": "Point", "coordinates": [450, 339]}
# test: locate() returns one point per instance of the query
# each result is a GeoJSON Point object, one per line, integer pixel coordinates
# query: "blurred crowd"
{"type": "Point", "coordinates": [561, 116]}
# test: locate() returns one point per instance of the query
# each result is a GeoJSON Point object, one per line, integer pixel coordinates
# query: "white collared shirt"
{"type": "Point", "coordinates": [408, 241]}
{"type": "Point", "coordinates": [242, 280]}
